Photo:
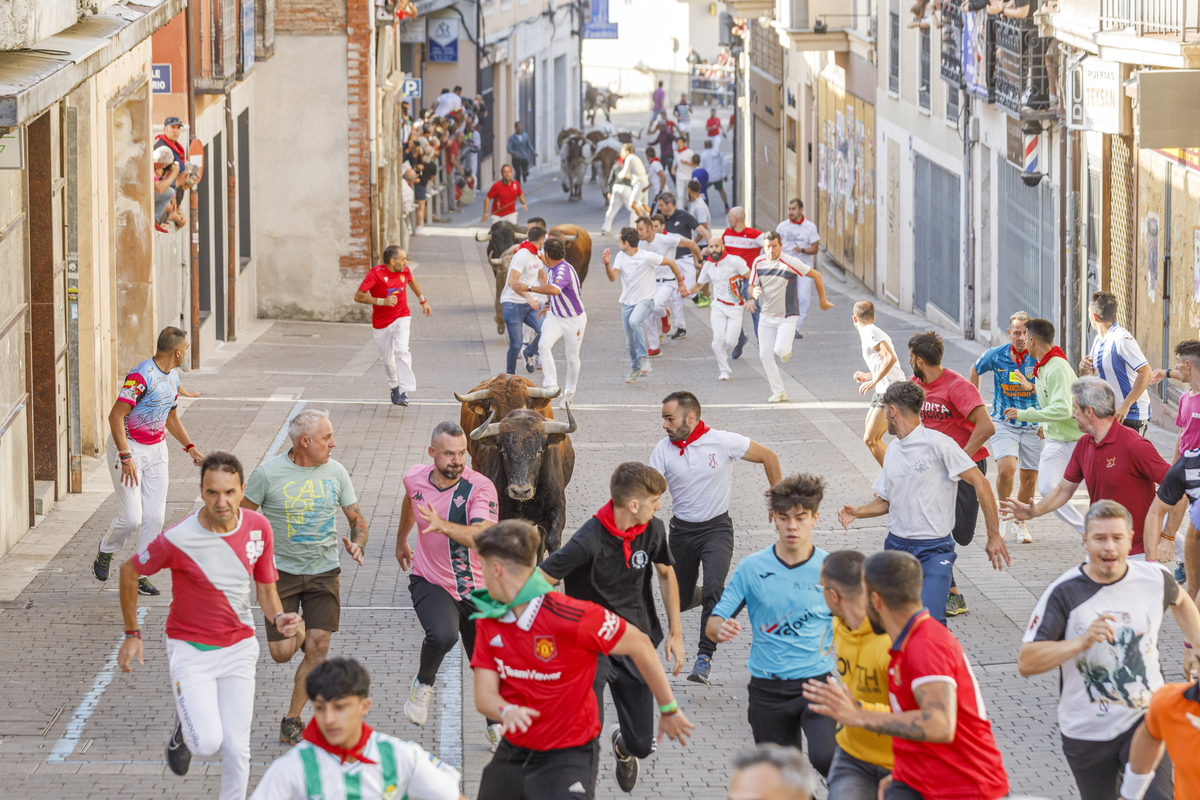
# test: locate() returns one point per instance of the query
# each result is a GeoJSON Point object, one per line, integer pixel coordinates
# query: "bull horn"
{"type": "Point", "coordinates": [472, 397]}
{"type": "Point", "coordinates": [488, 428]}
{"type": "Point", "coordinates": [482, 237]}
{"type": "Point", "coordinates": [552, 426]}
{"type": "Point", "coordinates": [568, 238]}
{"type": "Point", "coordinates": [495, 262]}
{"type": "Point", "coordinates": [520, 236]}
{"type": "Point", "coordinates": [539, 393]}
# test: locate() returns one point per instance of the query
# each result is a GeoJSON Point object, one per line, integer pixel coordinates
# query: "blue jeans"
{"type": "Point", "coordinates": [632, 318]}
{"type": "Point", "coordinates": [516, 314]}
{"type": "Point", "coordinates": [937, 559]}
{"type": "Point", "coordinates": [852, 779]}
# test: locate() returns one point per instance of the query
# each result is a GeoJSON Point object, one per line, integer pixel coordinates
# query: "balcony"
{"type": "Point", "coordinates": [1024, 70]}
{"type": "Point", "coordinates": [952, 29]}
{"type": "Point", "coordinates": [217, 32]}
{"type": "Point", "coordinates": [264, 29]}
{"type": "Point", "coordinates": [1161, 33]}
{"type": "Point", "coordinates": [825, 25]}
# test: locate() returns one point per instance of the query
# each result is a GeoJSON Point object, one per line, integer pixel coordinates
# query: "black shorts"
{"type": "Point", "coordinates": [718, 185]}
{"type": "Point", "coordinates": [778, 713]}
{"type": "Point", "coordinates": [966, 509]}
{"type": "Point", "coordinates": [1139, 426]}
{"type": "Point", "coordinates": [316, 597]}
{"type": "Point", "coordinates": [518, 773]}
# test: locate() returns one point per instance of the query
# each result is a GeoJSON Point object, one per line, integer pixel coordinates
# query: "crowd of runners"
{"type": "Point", "coordinates": [854, 678]}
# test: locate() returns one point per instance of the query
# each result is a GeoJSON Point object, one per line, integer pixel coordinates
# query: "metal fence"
{"type": "Point", "coordinates": [712, 83]}
{"type": "Point", "coordinates": [1169, 17]}
{"type": "Point", "coordinates": [1023, 72]}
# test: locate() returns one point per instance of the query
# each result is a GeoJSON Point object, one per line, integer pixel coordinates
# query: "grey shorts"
{"type": "Point", "coordinates": [877, 400]}
{"type": "Point", "coordinates": [1022, 444]}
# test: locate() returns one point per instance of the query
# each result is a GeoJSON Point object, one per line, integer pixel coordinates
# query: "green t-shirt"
{"type": "Point", "coordinates": [302, 504]}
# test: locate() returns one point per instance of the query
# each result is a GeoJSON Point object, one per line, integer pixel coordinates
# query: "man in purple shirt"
{"type": "Point", "coordinates": [565, 318]}
{"type": "Point", "coordinates": [659, 97]}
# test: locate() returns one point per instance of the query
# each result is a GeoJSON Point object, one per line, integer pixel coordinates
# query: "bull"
{"type": "Point", "coordinates": [502, 239]}
{"type": "Point", "coordinates": [575, 153]}
{"type": "Point", "coordinates": [607, 131]}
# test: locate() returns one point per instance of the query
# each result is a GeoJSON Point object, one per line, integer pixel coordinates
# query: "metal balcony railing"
{"type": "Point", "coordinates": [952, 26]}
{"type": "Point", "coordinates": [1023, 69]}
{"type": "Point", "coordinates": [264, 29]}
{"type": "Point", "coordinates": [1164, 17]}
{"type": "Point", "coordinates": [218, 47]}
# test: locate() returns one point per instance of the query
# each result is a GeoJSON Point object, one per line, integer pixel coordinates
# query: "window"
{"type": "Point", "coordinates": [894, 49]}
{"type": "Point", "coordinates": [245, 237]}
{"type": "Point", "coordinates": [791, 134]}
{"type": "Point", "coordinates": [952, 103]}
{"type": "Point", "coordinates": [923, 91]}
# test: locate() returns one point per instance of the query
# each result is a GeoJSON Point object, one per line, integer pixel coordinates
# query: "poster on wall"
{"type": "Point", "coordinates": [443, 41]}
{"type": "Point", "coordinates": [975, 52]}
{"type": "Point", "coordinates": [821, 167]}
{"type": "Point", "coordinates": [1152, 256]}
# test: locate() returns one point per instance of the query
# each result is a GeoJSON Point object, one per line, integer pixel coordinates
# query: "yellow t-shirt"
{"type": "Point", "coordinates": [863, 666]}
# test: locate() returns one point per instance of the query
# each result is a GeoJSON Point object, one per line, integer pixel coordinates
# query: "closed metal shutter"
{"type": "Point", "coordinates": [1121, 232]}
{"type": "Point", "coordinates": [1027, 272]}
{"type": "Point", "coordinates": [937, 253]}
{"type": "Point", "coordinates": [766, 175]}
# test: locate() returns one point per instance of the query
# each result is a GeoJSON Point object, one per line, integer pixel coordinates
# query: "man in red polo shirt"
{"type": "Point", "coordinates": [504, 195]}
{"type": "Point", "coordinates": [386, 289]}
{"type": "Point", "coordinates": [953, 407]}
{"type": "Point", "coordinates": [942, 744]}
{"type": "Point", "coordinates": [746, 243]}
{"type": "Point", "coordinates": [1114, 461]}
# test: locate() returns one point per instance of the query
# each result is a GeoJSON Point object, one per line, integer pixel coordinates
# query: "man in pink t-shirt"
{"type": "Point", "coordinates": [450, 504]}
{"type": "Point", "coordinates": [953, 407]}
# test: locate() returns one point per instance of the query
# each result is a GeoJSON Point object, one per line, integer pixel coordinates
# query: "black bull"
{"type": "Point", "coordinates": [530, 460]}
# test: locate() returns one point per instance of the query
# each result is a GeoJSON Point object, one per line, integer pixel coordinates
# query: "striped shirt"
{"type": "Point", "coordinates": [568, 303]}
{"type": "Point", "coordinates": [778, 282]}
{"type": "Point", "coordinates": [1118, 358]}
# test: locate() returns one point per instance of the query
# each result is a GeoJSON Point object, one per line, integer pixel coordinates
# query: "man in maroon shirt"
{"type": "Point", "coordinates": [953, 407]}
{"type": "Point", "coordinates": [1115, 462]}
{"type": "Point", "coordinates": [386, 289]}
{"type": "Point", "coordinates": [504, 195]}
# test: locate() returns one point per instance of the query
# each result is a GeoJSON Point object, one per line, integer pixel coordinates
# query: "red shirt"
{"type": "Point", "coordinates": [504, 198]}
{"type": "Point", "coordinates": [547, 661]}
{"type": "Point", "coordinates": [1122, 467]}
{"type": "Point", "coordinates": [747, 244]}
{"type": "Point", "coordinates": [713, 126]}
{"type": "Point", "coordinates": [381, 282]}
{"type": "Point", "coordinates": [970, 767]}
{"type": "Point", "coordinates": [948, 401]}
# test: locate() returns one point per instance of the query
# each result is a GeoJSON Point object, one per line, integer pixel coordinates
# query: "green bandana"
{"type": "Point", "coordinates": [489, 608]}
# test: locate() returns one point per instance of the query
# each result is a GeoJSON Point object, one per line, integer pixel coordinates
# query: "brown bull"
{"type": "Point", "coordinates": [503, 239]}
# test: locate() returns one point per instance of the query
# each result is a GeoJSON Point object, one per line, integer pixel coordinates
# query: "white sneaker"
{"type": "Point", "coordinates": [416, 708]}
{"type": "Point", "coordinates": [724, 376]}
{"type": "Point", "coordinates": [419, 230]}
{"type": "Point", "coordinates": [1004, 528]}
{"type": "Point", "coordinates": [646, 367]}
{"type": "Point", "coordinates": [1022, 533]}
{"type": "Point", "coordinates": [567, 398]}
{"type": "Point", "coordinates": [778, 398]}
{"type": "Point", "coordinates": [495, 732]}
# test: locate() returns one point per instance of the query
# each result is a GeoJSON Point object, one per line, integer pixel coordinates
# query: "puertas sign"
{"type": "Point", "coordinates": [443, 40]}
{"type": "Point", "coordinates": [1096, 96]}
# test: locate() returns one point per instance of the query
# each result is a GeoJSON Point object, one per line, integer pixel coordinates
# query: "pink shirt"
{"type": "Point", "coordinates": [438, 558]}
{"type": "Point", "coordinates": [1189, 422]}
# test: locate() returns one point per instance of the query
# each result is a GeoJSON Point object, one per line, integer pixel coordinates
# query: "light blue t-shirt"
{"type": "Point", "coordinates": [1008, 393]}
{"type": "Point", "coordinates": [792, 625]}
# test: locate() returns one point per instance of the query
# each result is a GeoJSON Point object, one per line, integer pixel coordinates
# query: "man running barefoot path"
{"type": "Point", "coordinates": [385, 289]}
{"type": "Point", "coordinates": [697, 462]}
{"type": "Point", "coordinates": [535, 666]}
{"type": "Point", "coordinates": [214, 555]}
{"type": "Point", "coordinates": [883, 369]}
{"type": "Point", "coordinates": [451, 504]}
{"type": "Point", "coordinates": [136, 451]}
{"type": "Point", "coordinates": [299, 492]}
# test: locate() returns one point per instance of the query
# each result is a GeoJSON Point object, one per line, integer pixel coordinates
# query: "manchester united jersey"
{"type": "Point", "coordinates": [152, 394]}
{"type": "Point", "coordinates": [546, 659]}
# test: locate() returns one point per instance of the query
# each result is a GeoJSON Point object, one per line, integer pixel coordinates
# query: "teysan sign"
{"type": "Point", "coordinates": [1096, 97]}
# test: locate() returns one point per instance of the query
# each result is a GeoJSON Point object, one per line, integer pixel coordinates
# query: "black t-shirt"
{"type": "Point", "coordinates": [1183, 478]}
{"type": "Point", "coordinates": [592, 567]}
{"type": "Point", "coordinates": [682, 223]}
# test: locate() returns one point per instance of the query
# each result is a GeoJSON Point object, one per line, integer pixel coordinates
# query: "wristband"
{"type": "Point", "coordinates": [1168, 538]}
{"type": "Point", "coordinates": [137, 634]}
{"type": "Point", "coordinates": [669, 708]}
{"type": "Point", "coordinates": [189, 447]}
{"type": "Point", "coordinates": [422, 300]}
{"type": "Point", "coordinates": [504, 708]}
{"type": "Point", "coordinates": [1187, 645]}
{"type": "Point", "coordinates": [125, 457]}
{"type": "Point", "coordinates": [1134, 786]}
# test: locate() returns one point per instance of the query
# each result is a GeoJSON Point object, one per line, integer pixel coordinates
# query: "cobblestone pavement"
{"type": "Point", "coordinates": [71, 725]}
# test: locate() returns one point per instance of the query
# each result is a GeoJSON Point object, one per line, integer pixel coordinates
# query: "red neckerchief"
{"type": "Point", "coordinates": [797, 221]}
{"type": "Point", "coordinates": [528, 245]}
{"type": "Point", "coordinates": [609, 520]}
{"type": "Point", "coordinates": [1054, 351]}
{"type": "Point", "coordinates": [696, 433]}
{"type": "Point", "coordinates": [1018, 357]}
{"type": "Point", "coordinates": [313, 734]}
{"type": "Point", "coordinates": [653, 160]}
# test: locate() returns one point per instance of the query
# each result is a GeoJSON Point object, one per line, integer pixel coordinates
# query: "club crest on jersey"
{"type": "Point", "coordinates": [390, 791]}
{"type": "Point", "coordinates": [496, 641]}
{"type": "Point", "coordinates": [458, 501]}
{"type": "Point", "coordinates": [712, 460]}
{"type": "Point", "coordinates": [255, 536]}
{"type": "Point", "coordinates": [544, 647]}
{"type": "Point", "coordinates": [639, 560]}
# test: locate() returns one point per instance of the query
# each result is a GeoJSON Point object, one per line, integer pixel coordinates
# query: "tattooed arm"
{"type": "Point", "coordinates": [934, 721]}
{"type": "Point", "coordinates": [357, 541]}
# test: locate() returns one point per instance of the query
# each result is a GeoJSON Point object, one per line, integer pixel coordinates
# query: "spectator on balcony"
{"type": "Point", "coordinates": [172, 137]}
{"type": "Point", "coordinates": [166, 170]}
{"type": "Point", "coordinates": [925, 14]}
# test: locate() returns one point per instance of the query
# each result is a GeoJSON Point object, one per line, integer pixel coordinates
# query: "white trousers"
{"type": "Point", "coordinates": [688, 268]}
{"type": "Point", "coordinates": [504, 218]}
{"type": "Point", "coordinates": [141, 508]}
{"type": "Point", "coordinates": [621, 195]}
{"type": "Point", "coordinates": [775, 337]}
{"type": "Point", "coordinates": [393, 346]}
{"type": "Point", "coordinates": [726, 321]}
{"type": "Point", "coordinates": [662, 301]}
{"type": "Point", "coordinates": [570, 330]}
{"type": "Point", "coordinates": [1051, 467]}
{"type": "Point", "coordinates": [804, 287]}
{"type": "Point", "coordinates": [214, 698]}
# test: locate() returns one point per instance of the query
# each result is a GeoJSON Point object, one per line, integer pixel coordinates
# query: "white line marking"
{"type": "Point", "coordinates": [283, 431]}
{"type": "Point", "coordinates": [831, 405]}
{"type": "Point", "coordinates": [87, 706]}
{"type": "Point", "coordinates": [450, 737]}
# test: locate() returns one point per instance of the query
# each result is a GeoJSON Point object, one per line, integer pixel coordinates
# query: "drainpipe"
{"type": "Point", "coordinates": [193, 219]}
{"type": "Point", "coordinates": [969, 317]}
{"type": "Point", "coordinates": [231, 232]}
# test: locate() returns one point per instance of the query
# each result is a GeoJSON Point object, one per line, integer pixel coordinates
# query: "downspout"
{"type": "Point", "coordinates": [969, 317]}
{"type": "Point", "coordinates": [231, 233]}
{"type": "Point", "coordinates": [193, 220]}
{"type": "Point", "coordinates": [373, 140]}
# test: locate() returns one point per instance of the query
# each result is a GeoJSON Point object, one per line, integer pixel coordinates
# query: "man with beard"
{"type": "Point", "coordinates": [700, 480]}
{"type": "Point", "coordinates": [917, 489]}
{"type": "Point", "coordinates": [450, 503]}
{"type": "Point", "coordinates": [683, 223]}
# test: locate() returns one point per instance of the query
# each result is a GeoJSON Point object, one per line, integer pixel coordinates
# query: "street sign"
{"type": "Point", "coordinates": [1096, 96]}
{"type": "Point", "coordinates": [411, 87]}
{"type": "Point", "coordinates": [443, 41]}
{"type": "Point", "coordinates": [12, 150]}
{"type": "Point", "coordinates": [598, 26]}
{"type": "Point", "coordinates": [160, 78]}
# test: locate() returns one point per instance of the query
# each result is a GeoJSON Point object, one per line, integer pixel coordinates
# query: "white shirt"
{"type": "Point", "coordinates": [710, 159]}
{"type": "Point", "coordinates": [1106, 689]}
{"type": "Point", "coordinates": [699, 209]}
{"type": "Point", "coordinates": [446, 103]}
{"type": "Point", "coordinates": [872, 335]}
{"type": "Point", "coordinates": [526, 265]}
{"type": "Point", "coordinates": [656, 172]}
{"type": "Point", "coordinates": [664, 244]}
{"type": "Point", "coordinates": [683, 169]}
{"type": "Point", "coordinates": [720, 275]}
{"type": "Point", "coordinates": [1117, 358]}
{"type": "Point", "coordinates": [701, 479]}
{"type": "Point", "coordinates": [637, 275]}
{"type": "Point", "coordinates": [920, 482]}
{"type": "Point", "coordinates": [798, 237]}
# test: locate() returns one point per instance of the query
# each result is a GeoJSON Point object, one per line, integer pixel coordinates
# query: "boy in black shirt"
{"type": "Point", "coordinates": [606, 562]}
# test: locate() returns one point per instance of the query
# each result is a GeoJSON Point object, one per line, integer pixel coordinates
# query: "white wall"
{"type": "Point", "coordinates": [629, 64]}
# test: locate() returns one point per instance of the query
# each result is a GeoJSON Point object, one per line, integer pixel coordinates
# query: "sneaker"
{"type": "Point", "coordinates": [633, 376]}
{"type": "Point", "coordinates": [179, 758]}
{"type": "Point", "coordinates": [778, 398]}
{"type": "Point", "coordinates": [628, 766]}
{"type": "Point", "coordinates": [680, 333]}
{"type": "Point", "coordinates": [291, 730]}
{"type": "Point", "coordinates": [783, 359]}
{"type": "Point", "coordinates": [654, 353]}
{"type": "Point", "coordinates": [737, 349]}
{"type": "Point", "coordinates": [724, 376]}
{"type": "Point", "coordinates": [1021, 532]}
{"type": "Point", "coordinates": [396, 395]}
{"type": "Point", "coordinates": [419, 230]}
{"type": "Point", "coordinates": [529, 364]}
{"type": "Point", "coordinates": [416, 708]}
{"type": "Point", "coordinates": [799, 335]}
{"type": "Point", "coordinates": [646, 367]}
{"type": "Point", "coordinates": [537, 362]}
{"type": "Point", "coordinates": [495, 732]}
{"type": "Point", "coordinates": [701, 669]}
{"type": "Point", "coordinates": [101, 564]}
{"type": "Point", "coordinates": [1180, 574]}
{"type": "Point", "coordinates": [567, 399]}
{"type": "Point", "coordinates": [604, 233]}
{"type": "Point", "coordinates": [147, 588]}
{"type": "Point", "coordinates": [704, 302]}
{"type": "Point", "coordinates": [403, 401]}
{"type": "Point", "coordinates": [1004, 528]}
{"type": "Point", "coordinates": [955, 605]}
{"type": "Point", "coordinates": [666, 323]}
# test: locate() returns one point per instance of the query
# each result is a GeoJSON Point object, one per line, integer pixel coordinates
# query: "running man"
{"type": "Point", "coordinates": [700, 480]}
{"type": "Point", "coordinates": [954, 407]}
{"type": "Point", "coordinates": [214, 555]}
{"type": "Point", "coordinates": [630, 188]}
{"type": "Point", "coordinates": [800, 240]}
{"type": "Point", "coordinates": [504, 194]}
{"type": "Point", "coordinates": [607, 563]}
{"type": "Point", "coordinates": [386, 289]}
{"type": "Point", "coordinates": [1187, 371]}
{"type": "Point", "coordinates": [1118, 360]}
{"type": "Point", "coordinates": [1099, 623]}
{"type": "Point", "coordinates": [780, 588]}
{"type": "Point", "coordinates": [637, 269]}
{"type": "Point", "coordinates": [451, 504]}
{"type": "Point", "coordinates": [942, 742]}
{"type": "Point", "coordinates": [746, 243]}
{"type": "Point", "coordinates": [774, 277]}
{"type": "Point", "coordinates": [688, 226]}
{"type": "Point", "coordinates": [136, 451]}
{"type": "Point", "coordinates": [518, 306]}
{"type": "Point", "coordinates": [538, 675]}
{"type": "Point", "coordinates": [883, 369]}
{"type": "Point", "coordinates": [723, 274]}
{"type": "Point", "coordinates": [653, 238]}
{"type": "Point", "coordinates": [920, 503]}
{"type": "Point", "coordinates": [299, 493]}
{"type": "Point", "coordinates": [565, 318]}
{"type": "Point", "coordinates": [342, 757]}
{"type": "Point", "coordinates": [1015, 444]}
{"type": "Point", "coordinates": [714, 162]}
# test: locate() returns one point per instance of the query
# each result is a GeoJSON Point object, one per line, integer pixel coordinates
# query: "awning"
{"type": "Point", "coordinates": [33, 78]}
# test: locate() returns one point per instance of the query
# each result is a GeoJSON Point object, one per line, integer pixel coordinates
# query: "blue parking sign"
{"type": "Point", "coordinates": [411, 87]}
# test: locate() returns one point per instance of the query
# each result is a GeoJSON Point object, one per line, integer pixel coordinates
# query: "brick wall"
{"type": "Point", "coordinates": [358, 65]}
{"type": "Point", "coordinates": [313, 17]}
